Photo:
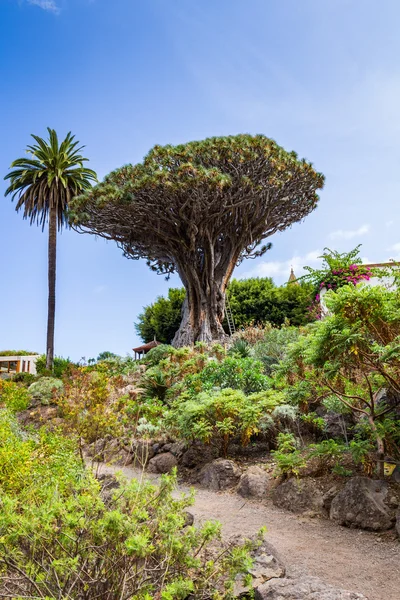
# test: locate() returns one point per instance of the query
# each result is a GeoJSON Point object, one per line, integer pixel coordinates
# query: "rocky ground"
{"type": "Point", "coordinates": [366, 563]}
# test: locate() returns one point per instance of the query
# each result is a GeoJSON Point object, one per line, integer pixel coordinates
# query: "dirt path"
{"type": "Point", "coordinates": [352, 559]}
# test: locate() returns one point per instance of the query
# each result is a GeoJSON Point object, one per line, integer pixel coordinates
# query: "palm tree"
{"type": "Point", "coordinates": [44, 185]}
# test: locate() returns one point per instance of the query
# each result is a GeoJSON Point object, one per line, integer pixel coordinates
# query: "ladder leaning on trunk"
{"type": "Point", "coordinates": [229, 316]}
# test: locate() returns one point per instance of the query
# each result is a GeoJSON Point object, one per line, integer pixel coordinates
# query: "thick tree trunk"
{"type": "Point", "coordinates": [202, 315]}
{"type": "Point", "coordinates": [52, 255]}
{"type": "Point", "coordinates": [205, 276]}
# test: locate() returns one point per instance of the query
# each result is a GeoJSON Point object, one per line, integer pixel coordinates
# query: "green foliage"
{"type": "Point", "coordinates": [46, 389]}
{"type": "Point", "coordinates": [253, 301]}
{"type": "Point", "coordinates": [153, 357]}
{"type": "Point", "coordinates": [106, 355]}
{"type": "Point", "coordinates": [313, 419]}
{"type": "Point", "coordinates": [352, 357]}
{"type": "Point", "coordinates": [162, 318]}
{"type": "Point", "coordinates": [328, 453]}
{"type": "Point", "coordinates": [240, 348]}
{"type": "Point", "coordinates": [217, 417]}
{"type": "Point", "coordinates": [288, 457]}
{"type": "Point", "coordinates": [25, 378]}
{"type": "Point", "coordinates": [59, 539]}
{"type": "Point", "coordinates": [341, 471]}
{"type": "Point", "coordinates": [54, 171]}
{"type": "Point", "coordinates": [86, 407]}
{"type": "Point", "coordinates": [61, 366]}
{"type": "Point", "coordinates": [156, 383]}
{"type": "Point", "coordinates": [16, 353]}
{"type": "Point", "coordinates": [244, 374]}
{"type": "Point", "coordinates": [361, 450]}
{"type": "Point", "coordinates": [208, 174]}
{"type": "Point", "coordinates": [14, 397]}
{"type": "Point", "coordinates": [148, 412]}
{"type": "Point", "coordinates": [274, 346]}
{"type": "Point", "coordinates": [112, 366]}
{"type": "Point", "coordinates": [338, 269]}
{"type": "Point", "coordinates": [257, 300]}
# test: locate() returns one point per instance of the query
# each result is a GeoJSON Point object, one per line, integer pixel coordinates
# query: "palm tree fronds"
{"type": "Point", "coordinates": [50, 178]}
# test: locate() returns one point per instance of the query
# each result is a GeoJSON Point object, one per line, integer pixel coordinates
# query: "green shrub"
{"type": "Point", "coordinates": [112, 366]}
{"type": "Point", "coordinates": [25, 378]}
{"type": "Point", "coordinates": [46, 389]}
{"type": "Point", "coordinates": [274, 347]}
{"type": "Point", "coordinates": [328, 454]}
{"type": "Point", "coordinates": [244, 374]}
{"type": "Point", "coordinates": [58, 539]}
{"type": "Point", "coordinates": [86, 408]}
{"type": "Point", "coordinates": [13, 396]}
{"type": "Point", "coordinates": [158, 353]}
{"type": "Point", "coordinates": [155, 384]}
{"type": "Point", "coordinates": [62, 366]}
{"type": "Point", "coordinates": [288, 457]}
{"type": "Point", "coordinates": [217, 417]}
{"type": "Point", "coordinates": [240, 348]}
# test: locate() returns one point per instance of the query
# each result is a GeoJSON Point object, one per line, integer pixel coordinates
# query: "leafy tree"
{"type": "Point", "coordinates": [44, 186]}
{"type": "Point", "coordinates": [354, 356]}
{"type": "Point", "coordinates": [357, 351]}
{"type": "Point", "coordinates": [106, 355]}
{"type": "Point", "coordinates": [199, 209]}
{"type": "Point", "coordinates": [253, 301]}
{"type": "Point", "coordinates": [257, 300]}
{"type": "Point", "coordinates": [162, 318]}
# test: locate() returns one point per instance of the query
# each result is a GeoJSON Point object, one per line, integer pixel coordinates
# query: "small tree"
{"type": "Point", "coordinates": [199, 209]}
{"type": "Point", "coordinates": [356, 353]}
{"type": "Point", "coordinates": [162, 318]}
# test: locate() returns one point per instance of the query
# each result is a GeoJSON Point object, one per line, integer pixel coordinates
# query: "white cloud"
{"type": "Point", "coordinates": [395, 252]}
{"type": "Point", "coordinates": [281, 269]}
{"type": "Point", "coordinates": [348, 234]}
{"type": "Point", "coordinates": [49, 5]}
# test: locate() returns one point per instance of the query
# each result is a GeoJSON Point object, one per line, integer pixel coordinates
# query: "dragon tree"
{"type": "Point", "coordinates": [199, 209]}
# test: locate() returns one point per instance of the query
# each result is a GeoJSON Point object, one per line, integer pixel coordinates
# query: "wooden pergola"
{"type": "Point", "coordinates": [140, 351]}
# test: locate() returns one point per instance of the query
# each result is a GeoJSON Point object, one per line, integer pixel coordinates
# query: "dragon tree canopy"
{"type": "Point", "coordinates": [199, 209]}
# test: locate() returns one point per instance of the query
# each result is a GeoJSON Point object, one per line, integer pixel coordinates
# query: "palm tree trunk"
{"type": "Point", "coordinates": [51, 311]}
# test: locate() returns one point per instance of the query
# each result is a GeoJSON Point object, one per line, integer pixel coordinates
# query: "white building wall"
{"type": "Point", "coordinates": [28, 359]}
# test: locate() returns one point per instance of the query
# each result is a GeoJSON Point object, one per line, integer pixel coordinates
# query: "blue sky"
{"type": "Point", "coordinates": [321, 78]}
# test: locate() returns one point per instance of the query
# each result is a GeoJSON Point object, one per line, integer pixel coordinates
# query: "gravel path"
{"type": "Point", "coordinates": [356, 560]}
